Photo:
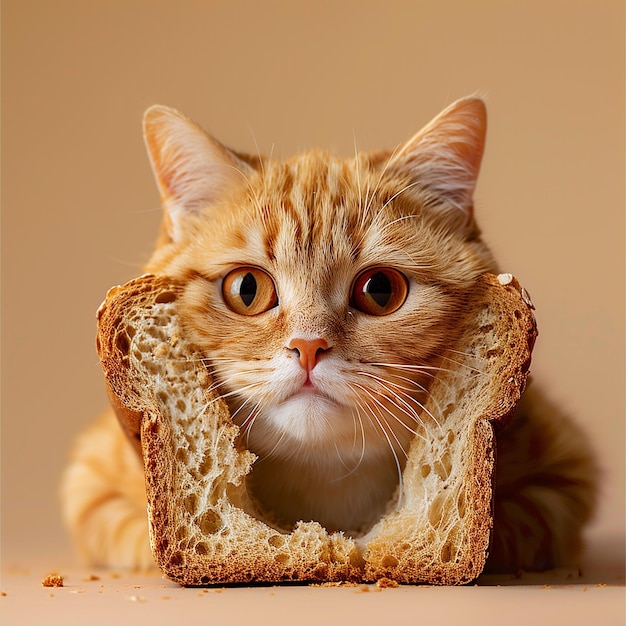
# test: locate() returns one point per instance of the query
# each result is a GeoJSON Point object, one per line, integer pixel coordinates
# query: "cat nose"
{"type": "Point", "coordinates": [308, 351]}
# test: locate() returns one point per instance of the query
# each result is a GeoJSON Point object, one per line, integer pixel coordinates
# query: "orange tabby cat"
{"type": "Point", "coordinates": [322, 292]}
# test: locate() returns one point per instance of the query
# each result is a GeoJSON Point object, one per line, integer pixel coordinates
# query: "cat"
{"type": "Point", "coordinates": [322, 291]}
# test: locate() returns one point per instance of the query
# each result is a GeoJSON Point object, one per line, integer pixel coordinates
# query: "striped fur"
{"type": "Point", "coordinates": [332, 448]}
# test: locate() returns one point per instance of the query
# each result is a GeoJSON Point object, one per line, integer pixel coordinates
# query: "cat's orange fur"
{"type": "Point", "coordinates": [327, 394]}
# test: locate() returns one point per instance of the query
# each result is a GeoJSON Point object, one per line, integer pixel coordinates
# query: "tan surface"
{"type": "Point", "coordinates": [79, 208]}
{"type": "Point", "coordinates": [96, 598]}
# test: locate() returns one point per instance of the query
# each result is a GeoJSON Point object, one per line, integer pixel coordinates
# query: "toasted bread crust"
{"type": "Point", "coordinates": [204, 527]}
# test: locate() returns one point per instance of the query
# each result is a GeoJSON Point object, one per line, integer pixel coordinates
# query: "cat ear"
{"type": "Point", "coordinates": [191, 168]}
{"type": "Point", "coordinates": [444, 157]}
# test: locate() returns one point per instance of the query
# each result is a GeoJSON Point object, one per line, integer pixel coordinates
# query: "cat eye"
{"type": "Point", "coordinates": [249, 291]}
{"type": "Point", "coordinates": [379, 291]}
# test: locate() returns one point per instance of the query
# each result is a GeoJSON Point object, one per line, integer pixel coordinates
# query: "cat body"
{"type": "Point", "coordinates": [322, 292]}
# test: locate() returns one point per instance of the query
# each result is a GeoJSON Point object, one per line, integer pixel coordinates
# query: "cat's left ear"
{"type": "Point", "coordinates": [444, 157]}
{"type": "Point", "coordinates": [192, 169]}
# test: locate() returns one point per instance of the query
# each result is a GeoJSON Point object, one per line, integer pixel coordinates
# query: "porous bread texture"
{"type": "Point", "coordinates": [442, 524]}
{"type": "Point", "coordinates": [205, 527]}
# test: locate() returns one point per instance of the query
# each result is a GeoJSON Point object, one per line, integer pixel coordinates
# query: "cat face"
{"type": "Point", "coordinates": [322, 291]}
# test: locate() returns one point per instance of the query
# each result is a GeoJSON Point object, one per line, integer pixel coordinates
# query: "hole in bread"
{"type": "Point", "coordinates": [122, 343]}
{"type": "Point", "coordinates": [443, 466]}
{"type": "Point", "coordinates": [201, 548]}
{"type": "Point", "coordinates": [165, 297]}
{"type": "Point", "coordinates": [390, 561]}
{"type": "Point", "coordinates": [207, 464]}
{"type": "Point", "coordinates": [461, 503]}
{"type": "Point", "coordinates": [182, 456]}
{"type": "Point", "coordinates": [154, 331]}
{"type": "Point", "coordinates": [210, 522]}
{"type": "Point", "coordinates": [445, 413]}
{"type": "Point", "coordinates": [138, 355]}
{"type": "Point", "coordinates": [437, 509]}
{"type": "Point", "coordinates": [446, 553]}
{"type": "Point", "coordinates": [425, 470]}
{"type": "Point", "coordinates": [494, 352]}
{"type": "Point", "coordinates": [283, 558]}
{"type": "Point", "coordinates": [191, 503]}
{"type": "Point", "coordinates": [278, 541]}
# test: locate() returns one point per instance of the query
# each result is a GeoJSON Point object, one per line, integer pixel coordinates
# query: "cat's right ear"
{"type": "Point", "coordinates": [192, 169]}
{"type": "Point", "coordinates": [444, 157]}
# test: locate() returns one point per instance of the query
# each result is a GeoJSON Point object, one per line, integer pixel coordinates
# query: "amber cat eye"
{"type": "Point", "coordinates": [379, 291]}
{"type": "Point", "coordinates": [249, 291]}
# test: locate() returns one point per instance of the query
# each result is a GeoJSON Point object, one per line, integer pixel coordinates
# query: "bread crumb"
{"type": "Point", "coordinates": [53, 580]}
{"type": "Point", "coordinates": [387, 583]}
{"type": "Point", "coordinates": [165, 597]}
{"type": "Point", "coordinates": [3, 594]}
{"type": "Point", "coordinates": [90, 578]}
{"type": "Point", "coordinates": [601, 585]}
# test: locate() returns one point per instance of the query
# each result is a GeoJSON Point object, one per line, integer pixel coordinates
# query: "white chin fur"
{"type": "Point", "coordinates": [307, 422]}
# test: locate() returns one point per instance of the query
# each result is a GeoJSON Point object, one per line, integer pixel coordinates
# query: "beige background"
{"type": "Point", "coordinates": [80, 211]}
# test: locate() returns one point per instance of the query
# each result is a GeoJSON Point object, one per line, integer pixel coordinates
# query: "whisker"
{"type": "Point", "coordinates": [403, 407]}
{"type": "Point", "coordinates": [395, 195]}
{"type": "Point", "coordinates": [428, 370]}
{"type": "Point", "coordinates": [372, 395]}
{"type": "Point", "coordinates": [258, 151]}
{"type": "Point", "coordinates": [358, 176]}
{"type": "Point", "coordinates": [431, 370]}
{"type": "Point", "coordinates": [248, 423]}
{"type": "Point", "coordinates": [378, 419]}
{"type": "Point", "coordinates": [414, 384]}
{"type": "Point", "coordinates": [381, 176]}
{"type": "Point", "coordinates": [230, 394]}
{"type": "Point", "coordinates": [471, 368]}
{"type": "Point", "coordinates": [355, 415]}
{"type": "Point", "coordinates": [276, 446]}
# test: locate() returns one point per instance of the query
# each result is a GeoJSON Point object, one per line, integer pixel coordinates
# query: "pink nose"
{"type": "Point", "coordinates": [308, 351]}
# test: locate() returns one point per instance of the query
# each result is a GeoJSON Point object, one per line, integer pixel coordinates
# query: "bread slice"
{"type": "Point", "coordinates": [204, 526]}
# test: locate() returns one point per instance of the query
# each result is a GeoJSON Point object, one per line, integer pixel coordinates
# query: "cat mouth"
{"type": "Point", "coordinates": [311, 392]}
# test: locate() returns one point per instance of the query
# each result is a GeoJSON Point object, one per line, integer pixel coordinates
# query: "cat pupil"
{"type": "Point", "coordinates": [378, 287]}
{"type": "Point", "coordinates": [247, 289]}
